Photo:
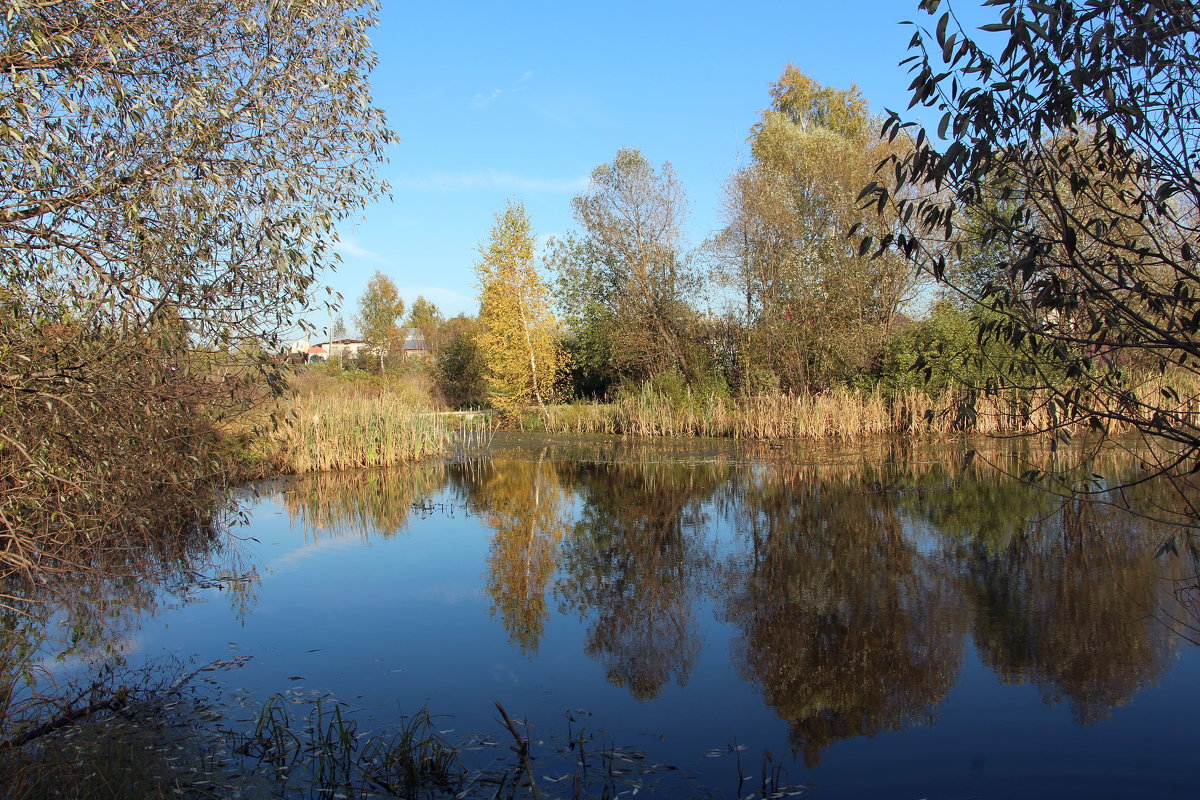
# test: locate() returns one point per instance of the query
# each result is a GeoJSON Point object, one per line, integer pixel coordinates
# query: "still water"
{"type": "Point", "coordinates": [881, 621]}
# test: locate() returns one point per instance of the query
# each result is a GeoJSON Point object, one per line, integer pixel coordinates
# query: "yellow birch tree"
{"type": "Point", "coordinates": [520, 336]}
{"type": "Point", "coordinates": [527, 509]}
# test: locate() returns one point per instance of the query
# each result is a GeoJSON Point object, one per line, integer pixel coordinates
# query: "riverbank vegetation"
{"type": "Point", "coordinates": [330, 422]}
{"type": "Point", "coordinates": [1032, 268]}
{"type": "Point", "coordinates": [783, 325]}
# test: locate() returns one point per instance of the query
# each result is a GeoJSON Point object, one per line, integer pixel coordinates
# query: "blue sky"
{"type": "Point", "coordinates": [522, 100]}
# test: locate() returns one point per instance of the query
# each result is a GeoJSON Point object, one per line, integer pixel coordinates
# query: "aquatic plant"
{"type": "Point", "coordinates": [839, 413]}
{"type": "Point", "coordinates": [336, 425]}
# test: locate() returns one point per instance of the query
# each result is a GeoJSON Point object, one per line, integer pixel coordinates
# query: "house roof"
{"type": "Point", "coordinates": [414, 339]}
{"type": "Point", "coordinates": [316, 350]}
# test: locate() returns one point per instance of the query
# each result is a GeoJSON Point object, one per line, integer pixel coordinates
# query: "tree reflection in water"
{"type": "Point", "coordinates": [524, 503]}
{"type": "Point", "coordinates": [88, 616]}
{"type": "Point", "coordinates": [851, 578]}
{"type": "Point", "coordinates": [360, 503]}
{"type": "Point", "coordinates": [852, 583]}
{"type": "Point", "coordinates": [637, 559]}
{"type": "Point", "coordinates": [845, 625]}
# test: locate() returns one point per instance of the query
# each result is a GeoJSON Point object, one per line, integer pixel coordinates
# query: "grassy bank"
{"type": "Point", "coordinates": [333, 422]}
{"type": "Point", "coordinates": [837, 414]}
{"type": "Point", "coordinates": [840, 414]}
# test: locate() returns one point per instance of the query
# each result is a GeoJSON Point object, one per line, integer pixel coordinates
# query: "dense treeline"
{"type": "Point", "coordinates": [1046, 268]}
{"type": "Point", "coordinates": [780, 302]}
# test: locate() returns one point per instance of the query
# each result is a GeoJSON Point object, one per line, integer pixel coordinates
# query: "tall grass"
{"type": "Point", "coordinates": [845, 414]}
{"type": "Point", "coordinates": [330, 424]}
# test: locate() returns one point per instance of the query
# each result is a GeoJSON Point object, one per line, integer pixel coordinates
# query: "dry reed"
{"type": "Point", "coordinates": [844, 414]}
{"type": "Point", "coordinates": [330, 425]}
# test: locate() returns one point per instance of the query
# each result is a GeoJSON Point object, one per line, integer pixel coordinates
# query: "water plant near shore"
{"type": "Point", "coordinates": [352, 430]}
{"type": "Point", "coordinates": [329, 422]}
{"type": "Point", "coordinates": [839, 413]}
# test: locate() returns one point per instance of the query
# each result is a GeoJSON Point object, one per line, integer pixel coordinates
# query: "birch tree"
{"type": "Point", "coordinates": [520, 335]}
{"type": "Point", "coordinates": [380, 311]}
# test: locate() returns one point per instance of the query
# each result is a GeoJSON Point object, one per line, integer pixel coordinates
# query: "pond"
{"type": "Point", "coordinates": [877, 620]}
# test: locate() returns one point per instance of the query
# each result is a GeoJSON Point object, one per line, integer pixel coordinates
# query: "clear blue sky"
{"type": "Point", "coordinates": [499, 100]}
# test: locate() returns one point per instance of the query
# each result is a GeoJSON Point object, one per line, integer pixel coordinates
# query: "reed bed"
{"type": "Point", "coordinates": [332, 425]}
{"type": "Point", "coordinates": [842, 414]}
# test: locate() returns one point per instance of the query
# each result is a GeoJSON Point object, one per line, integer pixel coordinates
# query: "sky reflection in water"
{"type": "Point", "coordinates": [885, 622]}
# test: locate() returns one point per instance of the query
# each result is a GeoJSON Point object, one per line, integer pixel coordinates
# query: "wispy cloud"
{"type": "Point", "coordinates": [287, 561]}
{"type": "Point", "coordinates": [449, 301]}
{"type": "Point", "coordinates": [350, 248]}
{"type": "Point", "coordinates": [483, 100]}
{"type": "Point", "coordinates": [491, 179]}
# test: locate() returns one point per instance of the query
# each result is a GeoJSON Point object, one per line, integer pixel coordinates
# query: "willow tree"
{"type": "Point", "coordinates": [1066, 149]}
{"type": "Point", "coordinates": [519, 335]}
{"type": "Point", "coordinates": [816, 309]}
{"type": "Point", "coordinates": [173, 172]}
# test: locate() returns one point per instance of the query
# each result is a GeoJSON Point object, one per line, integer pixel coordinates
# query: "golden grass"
{"type": "Point", "coordinates": [844, 414]}
{"type": "Point", "coordinates": [330, 424]}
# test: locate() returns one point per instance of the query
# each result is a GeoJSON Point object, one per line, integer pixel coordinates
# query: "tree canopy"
{"type": "Point", "coordinates": [171, 175]}
{"type": "Point", "coordinates": [624, 282]}
{"type": "Point", "coordinates": [816, 312]}
{"type": "Point", "coordinates": [1065, 150]}
{"type": "Point", "coordinates": [518, 335]}
{"type": "Point", "coordinates": [380, 310]}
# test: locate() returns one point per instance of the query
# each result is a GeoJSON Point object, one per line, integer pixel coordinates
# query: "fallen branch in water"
{"type": "Point", "coordinates": [521, 749]}
{"type": "Point", "coordinates": [74, 715]}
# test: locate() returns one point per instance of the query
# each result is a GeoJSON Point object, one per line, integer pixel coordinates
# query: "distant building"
{"type": "Point", "coordinates": [300, 347]}
{"type": "Point", "coordinates": [415, 345]}
{"type": "Point", "coordinates": [347, 348]}
{"type": "Point", "coordinates": [338, 348]}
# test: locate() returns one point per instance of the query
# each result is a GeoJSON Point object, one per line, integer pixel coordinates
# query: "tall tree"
{"type": "Point", "coordinates": [426, 316]}
{"type": "Point", "coordinates": [623, 283]}
{"type": "Point", "coordinates": [380, 310]}
{"type": "Point", "coordinates": [174, 171]}
{"type": "Point", "coordinates": [816, 310]}
{"type": "Point", "coordinates": [1078, 127]}
{"type": "Point", "coordinates": [519, 336]}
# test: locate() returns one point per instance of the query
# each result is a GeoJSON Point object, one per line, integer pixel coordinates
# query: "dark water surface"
{"type": "Point", "coordinates": [885, 622]}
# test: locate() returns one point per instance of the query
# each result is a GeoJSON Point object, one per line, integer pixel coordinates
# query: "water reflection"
{"type": "Point", "coordinates": [1069, 605]}
{"type": "Point", "coordinates": [89, 614]}
{"type": "Point", "coordinates": [847, 627]}
{"type": "Point", "coordinates": [361, 503]}
{"type": "Point", "coordinates": [853, 582]}
{"type": "Point", "coordinates": [524, 503]}
{"type": "Point", "coordinates": [639, 556]}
